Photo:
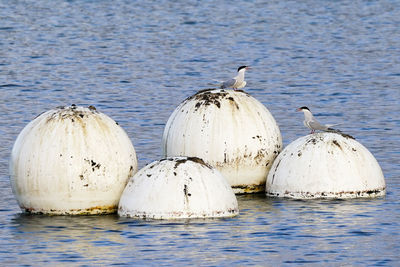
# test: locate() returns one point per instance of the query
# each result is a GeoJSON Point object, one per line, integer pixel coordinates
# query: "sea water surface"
{"type": "Point", "coordinates": [137, 60]}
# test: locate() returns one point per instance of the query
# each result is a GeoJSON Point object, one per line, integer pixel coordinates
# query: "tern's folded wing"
{"type": "Point", "coordinates": [228, 83]}
{"type": "Point", "coordinates": [317, 126]}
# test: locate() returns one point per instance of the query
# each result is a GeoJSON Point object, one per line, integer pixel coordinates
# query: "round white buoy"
{"type": "Point", "coordinates": [179, 187]}
{"type": "Point", "coordinates": [231, 131]}
{"type": "Point", "coordinates": [71, 160]}
{"type": "Point", "coordinates": [325, 165]}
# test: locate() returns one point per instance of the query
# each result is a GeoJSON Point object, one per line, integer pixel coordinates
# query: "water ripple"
{"type": "Point", "coordinates": [137, 62]}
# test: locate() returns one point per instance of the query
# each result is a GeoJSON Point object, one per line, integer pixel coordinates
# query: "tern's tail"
{"type": "Point", "coordinates": [331, 130]}
{"type": "Point", "coordinates": [331, 125]}
{"type": "Point", "coordinates": [216, 84]}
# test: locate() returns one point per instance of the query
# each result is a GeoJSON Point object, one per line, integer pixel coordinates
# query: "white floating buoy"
{"type": "Point", "coordinates": [325, 165]}
{"type": "Point", "coordinates": [231, 131]}
{"type": "Point", "coordinates": [176, 188]}
{"type": "Point", "coordinates": [71, 160]}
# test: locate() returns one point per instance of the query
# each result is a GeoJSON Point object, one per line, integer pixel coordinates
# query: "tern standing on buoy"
{"type": "Point", "coordinates": [311, 123]}
{"type": "Point", "coordinates": [238, 81]}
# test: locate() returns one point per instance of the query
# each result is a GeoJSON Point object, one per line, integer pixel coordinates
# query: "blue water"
{"type": "Point", "coordinates": [136, 61]}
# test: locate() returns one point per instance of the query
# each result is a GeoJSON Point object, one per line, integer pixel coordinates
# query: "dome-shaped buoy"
{"type": "Point", "coordinates": [71, 160]}
{"type": "Point", "coordinates": [231, 131]}
{"type": "Point", "coordinates": [325, 165]}
{"type": "Point", "coordinates": [179, 187]}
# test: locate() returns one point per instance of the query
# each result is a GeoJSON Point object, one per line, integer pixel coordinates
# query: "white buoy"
{"type": "Point", "coordinates": [325, 165]}
{"type": "Point", "coordinates": [175, 188]}
{"type": "Point", "coordinates": [71, 160]}
{"type": "Point", "coordinates": [231, 131]}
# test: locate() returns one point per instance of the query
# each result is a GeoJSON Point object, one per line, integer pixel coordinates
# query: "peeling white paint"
{"type": "Point", "coordinates": [325, 165]}
{"type": "Point", "coordinates": [176, 188]}
{"type": "Point", "coordinates": [71, 160]}
{"type": "Point", "coordinates": [230, 130]}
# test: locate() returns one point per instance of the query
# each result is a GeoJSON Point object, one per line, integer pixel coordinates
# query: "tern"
{"type": "Point", "coordinates": [311, 123]}
{"type": "Point", "coordinates": [238, 81]}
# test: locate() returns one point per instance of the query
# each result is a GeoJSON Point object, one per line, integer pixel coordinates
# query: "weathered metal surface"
{"type": "Point", "coordinates": [231, 131]}
{"type": "Point", "coordinates": [175, 188]}
{"type": "Point", "coordinates": [325, 165]}
{"type": "Point", "coordinates": [71, 160]}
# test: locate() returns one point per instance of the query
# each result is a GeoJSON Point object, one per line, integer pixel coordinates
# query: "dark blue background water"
{"type": "Point", "coordinates": [137, 61]}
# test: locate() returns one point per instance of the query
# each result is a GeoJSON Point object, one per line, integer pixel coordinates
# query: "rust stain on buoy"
{"type": "Point", "coordinates": [244, 189]}
{"type": "Point", "coordinates": [96, 210]}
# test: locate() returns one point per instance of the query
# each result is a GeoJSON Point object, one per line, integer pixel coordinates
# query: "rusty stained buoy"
{"type": "Point", "coordinates": [175, 188]}
{"type": "Point", "coordinates": [71, 160]}
{"type": "Point", "coordinates": [325, 165]}
{"type": "Point", "coordinates": [230, 130]}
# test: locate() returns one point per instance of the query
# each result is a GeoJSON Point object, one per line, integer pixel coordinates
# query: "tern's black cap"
{"type": "Point", "coordinates": [304, 107]}
{"type": "Point", "coordinates": [242, 67]}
